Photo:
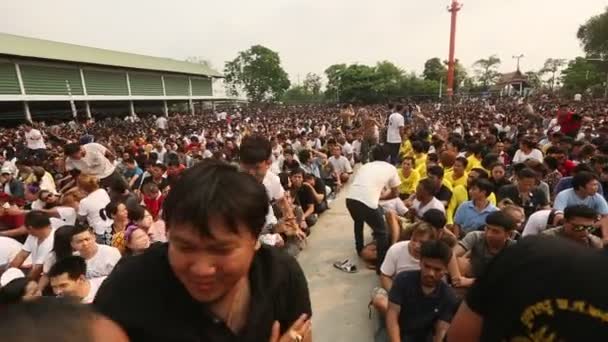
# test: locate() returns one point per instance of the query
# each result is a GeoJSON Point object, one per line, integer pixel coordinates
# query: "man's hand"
{"type": "Point", "coordinates": [463, 282]}
{"type": "Point", "coordinates": [298, 332]}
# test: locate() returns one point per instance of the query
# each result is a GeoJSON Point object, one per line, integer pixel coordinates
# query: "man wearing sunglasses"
{"type": "Point", "coordinates": [578, 225]}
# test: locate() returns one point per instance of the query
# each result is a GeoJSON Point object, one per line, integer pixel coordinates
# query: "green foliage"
{"type": "Point", "coordinates": [594, 35]}
{"type": "Point", "coordinates": [580, 75]}
{"type": "Point", "coordinates": [312, 83]}
{"type": "Point", "coordinates": [258, 71]}
{"type": "Point", "coordinates": [486, 70]}
{"type": "Point", "coordinates": [434, 70]}
{"type": "Point", "coordinates": [552, 66]}
{"type": "Point", "coordinates": [301, 94]}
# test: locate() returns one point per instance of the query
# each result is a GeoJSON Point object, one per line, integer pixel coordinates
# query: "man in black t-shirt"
{"type": "Point", "coordinates": [442, 193]}
{"type": "Point", "coordinates": [421, 305]}
{"type": "Point", "coordinates": [212, 281]}
{"type": "Point", "coordinates": [305, 196]}
{"type": "Point", "coordinates": [541, 289]}
{"type": "Point", "coordinates": [525, 193]}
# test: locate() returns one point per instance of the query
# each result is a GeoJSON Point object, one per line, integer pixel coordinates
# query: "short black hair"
{"type": "Point", "coordinates": [13, 292]}
{"type": "Point", "coordinates": [436, 249]}
{"type": "Point", "coordinates": [37, 219]}
{"type": "Point", "coordinates": [379, 153]}
{"type": "Point", "coordinates": [48, 319]}
{"type": "Point", "coordinates": [81, 228]}
{"type": "Point", "coordinates": [435, 218]}
{"type": "Point", "coordinates": [71, 148]}
{"type": "Point", "coordinates": [435, 170]}
{"type": "Point", "coordinates": [297, 171]}
{"type": "Point", "coordinates": [482, 173]}
{"type": "Point", "coordinates": [213, 188]}
{"type": "Point", "coordinates": [427, 185]}
{"type": "Point", "coordinates": [136, 212]}
{"type": "Point", "coordinates": [73, 265]}
{"type": "Point", "coordinates": [464, 161]}
{"type": "Point", "coordinates": [255, 149]}
{"type": "Point", "coordinates": [526, 172]}
{"type": "Point", "coordinates": [579, 211]}
{"type": "Point", "coordinates": [489, 159]}
{"type": "Point", "coordinates": [581, 179]}
{"type": "Point", "coordinates": [500, 219]}
{"type": "Point", "coordinates": [551, 162]}
{"type": "Point", "coordinates": [483, 185]}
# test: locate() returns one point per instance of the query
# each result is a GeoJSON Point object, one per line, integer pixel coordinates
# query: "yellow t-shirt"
{"type": "Point", "coordinates": [473, 162]}
{"type": "Point", "coordinates": [406, 148]}
{"type": "Point", "coordinates": [410, 183]}
{"type": "Point", "coordinates": [449, 176]}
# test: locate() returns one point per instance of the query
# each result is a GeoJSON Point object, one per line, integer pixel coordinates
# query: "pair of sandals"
{"type": "Point", "coordinates": [346, 266]}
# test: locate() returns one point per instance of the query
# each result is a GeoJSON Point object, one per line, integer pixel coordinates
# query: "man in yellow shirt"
{"type": "Point", "coordinates": [474, 159]}
{"type": "Point", "coordinates": [458, 175]}
{"type": "Point", "coordinates": [460, 193]}
{"type": "Point", "coordinates": [409, 178]}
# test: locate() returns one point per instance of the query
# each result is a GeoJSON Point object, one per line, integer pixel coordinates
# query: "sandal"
{"type": "Point", "coordinates": [345, 266]}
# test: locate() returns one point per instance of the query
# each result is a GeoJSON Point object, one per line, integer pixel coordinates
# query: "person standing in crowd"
{"type": "Point", "coordinates": [92, 159]}
{"type": "Point", "coordinates": [394, 133]}
{"type": "Point", "coordinates": [213, 281]}
{"type": "Point", "coordinates": [365, 192]}
{"type": "Point", "coordinates": [34, 141]}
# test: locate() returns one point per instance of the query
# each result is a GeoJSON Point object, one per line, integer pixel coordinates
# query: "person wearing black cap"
{"type": "Point", "coordinates": [480, 247]}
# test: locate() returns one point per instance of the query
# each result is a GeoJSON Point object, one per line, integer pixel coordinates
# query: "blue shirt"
{"type": "Point", "coordinates": [469, 218]}
{"type": "Point", "coordinates": [569, 198]}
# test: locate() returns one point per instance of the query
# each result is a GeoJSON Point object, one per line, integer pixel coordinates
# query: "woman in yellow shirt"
{"type": "Point", "coordinates": [458, 175]}
{"type": "Point", "coordinates": [409, 178]}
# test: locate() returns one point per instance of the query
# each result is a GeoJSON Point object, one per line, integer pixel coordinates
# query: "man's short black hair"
{"type": "Point", "coordinates": [428, 185]}
{"type": "Point", "coordinates": [582, 167]}
{"type": "Point", "coordinates": [255, 149]}
{"type": "Point", "coordinates": [436, 171]}
{"type": "Point", "coordinates": [489, 159]}
{"type": "Point", "coordinates": [379, 153]}
{"type": "Point", "coordinates": [297, 171]}
{"type": "Point", "coordinates": [464, 161]}
{"type": "Point", "coordinates": [37, 219]}
{"type": "Point", "coordinates": [216, 189]}
{"type": "Point", "coordinates": [500, 219]}
{"type": "Point", "coordinates": [481, 172]}
{"type": "Point", "coordinates": [436, 249]}
{"type": "Point", "coordinates": [435, 218]}
{"type": "Point", "coordinates": [582, 211]}
{"type": "Point", "coordinates": [483, 185]}
{"type": "Point", "coordinates": [526, 172]}
{"type": "Point", "coordinates": [81, 228]}
{"type": "Point", "coordinates": [71, 148]}
{"type": "Point", "coordinates": [73, 265]}
{"type": "Point", "coordinates": [581, 179]}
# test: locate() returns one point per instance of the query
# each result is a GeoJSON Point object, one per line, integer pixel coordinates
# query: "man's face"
{"type": "Point", "coordinates": [592, 187]}
{"type": "Point", "coordinates": [431, 271]}
{"type": "Point", "coordinates": [559, 156]}
{"type": "Point", "coordinates": [475, 193]}
{"type": "Point", "coordinates": [499, 147]}
{"type": "Point", "coordinates": [526, 184]}
{"type": "Point", "coordinates": [496, 237]}
{"type": "Point", "coordinates": [5, 177]}
{"type": "Point", "coordinates": [498, 173]}
{"type": "Point", "coordinates": [84, 243]}
{"type": "Point", "coordinates": [335, 151]}
{"type": "Point", "coordinates": [210, 266]}
{"type": "Point", "coordinates": [416, 242]}
{"type": "Point", "coordinates": [297, 180]}
{"type": "Point", "coordinates": [257, 170]}
{"type": "Point", "coordinates": [406, 164]}
{"type": "Point", "coordinates": [37, 233]}
{"type": "Point", "coordinates": [131, 166]}
{"type": "Point", "coordinates": [435, 180]}
{"type": "Point", "coordinates": [578, 228]}
{"type": "Point", "coordinates": [156, 172]}
{"type": "Point", "coordinates": [63, 286]}
{"type": "Point", "coordinates": [458, 168]}
{"type": "Point", "coordinates": [78, 155]}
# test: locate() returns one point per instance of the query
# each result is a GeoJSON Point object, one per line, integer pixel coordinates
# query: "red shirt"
{"type": "Point", "coordinates": [567, 123]}
{"type": "Point", "coordinates": [566, 167]}
{"type": "Point", "coordinates": [154, 205]}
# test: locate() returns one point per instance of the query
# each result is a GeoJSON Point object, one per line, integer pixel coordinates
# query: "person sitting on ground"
{"type": "Point", "coordinates": [67, 278]}
{"type": "Point", "coordinates": [425, 199]}
{"type": "Point", "coordinates": [578, 225]}
{"type": "Point", "coordinates": [543, 220]}
{"type": "Point", "coordinates": [471, 215]}
{"type": "Point", "coordinates": [38, 244]}
{"type": "Point", "coordinates": [400, 257]}
{"type": "Point", "coordinates": [477, 248]}
{"type": "Point", "coordinates": [421, 304]}
{"type": "Point", "coordinates": [409, 178]}
{"type": "Point", "coordinates": [100, 259]}
{"type": "Point", "coordinates": [304, 196]}
{"type": "Point", "coordinates": [341, 165]}
{"type": "Point", "coordinates": [525, 193]}
{"type": "Point", "coordinates": [442, 192]}
{"type": "Point", "coordinates": [458, 175]}
{"type": "Point", "coordinates": [460, 194]}
{"type": "Point", "coordinates": [137, 240]}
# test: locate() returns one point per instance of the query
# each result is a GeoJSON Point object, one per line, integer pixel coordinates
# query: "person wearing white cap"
{"type": "Point", "coordinates": [9, 184]}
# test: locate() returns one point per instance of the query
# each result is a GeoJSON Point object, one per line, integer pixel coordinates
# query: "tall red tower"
{"type": "Point", "coordinates": [453, 9]}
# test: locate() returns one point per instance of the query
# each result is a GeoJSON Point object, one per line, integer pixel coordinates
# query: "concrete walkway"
{"type": "Point", "coordinates": [339, 299]}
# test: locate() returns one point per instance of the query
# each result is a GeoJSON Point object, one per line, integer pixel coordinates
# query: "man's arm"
{"type": "Point", "coordinates": [392, 322]}
{"type": "Point", "coordinates": [466, 325]}
{"type": "Point", "coordinates": [15, 232]}
{"type": "Point", "coordinates": [386, 282]}
{"type": "Point", "coordinates": [441, 329]}
{"type": "Point", "coordinates": [394, 192]}
{"type": "Point", "coordinates": [318, 197]}
{"type": "Point", "coordinates": [19, 259]}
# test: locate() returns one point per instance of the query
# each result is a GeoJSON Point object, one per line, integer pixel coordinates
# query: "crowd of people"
{"type": "Point", "coordinates": [462, 198]}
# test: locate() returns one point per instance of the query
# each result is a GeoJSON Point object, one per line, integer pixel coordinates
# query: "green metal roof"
{"type": "Point", "coordinates": [47, 49]}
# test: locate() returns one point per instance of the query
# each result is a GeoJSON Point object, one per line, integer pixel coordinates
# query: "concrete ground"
{"type": "Point", "coordinates": [339, 299]}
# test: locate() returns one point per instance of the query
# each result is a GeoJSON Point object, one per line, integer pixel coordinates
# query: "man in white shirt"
{"type": "Point", "coordinates": [161, 123]}
{"type": "Point", "coordinates": [67, 278]}
{"type": "Point", "coordinates": [341, 165]}
{"type": "Point", "coordinates": [364, 196]}
{"type": "Point", "coordinates": [543, 220]}
{"type": "Point", "coordinates": [394, 133]}
{"type": "Point", "coordinates": [92, 159]}
{"type": "Point", "coordinates": [34, 141]}
{"type": "Point", "coordinates": [38, 244]}
{"type": "Point", "coordinates": [100, 259]}
{"type": "Point", "coordinates": [425, 200]}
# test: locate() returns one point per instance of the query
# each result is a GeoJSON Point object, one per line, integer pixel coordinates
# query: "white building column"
{"type": "Point", "coordinates": [26, 106]}
{"type": "Point", "coordinates": [84, 91]}
{"type": "Point", "coordinates": [131, 105]}
{"type": "Point", "coordinates": [165, 106]}
{"type": "Point", "coordinates": [190, 102]}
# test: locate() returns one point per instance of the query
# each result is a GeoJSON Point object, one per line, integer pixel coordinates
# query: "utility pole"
{"type": "Point", "coordinates": [440, 86]}
{"type": "Point", "coordinates": [518, 58]}
{"type": "Point", "coordinates": [453, 9]}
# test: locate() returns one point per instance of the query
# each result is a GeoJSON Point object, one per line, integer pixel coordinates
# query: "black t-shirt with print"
{"type": "Point", "coordinates": [537, 198]}
{"type": "Point", "coordinates": [146, 299]}
{"type": "Point", "coordinates": [543, 289]}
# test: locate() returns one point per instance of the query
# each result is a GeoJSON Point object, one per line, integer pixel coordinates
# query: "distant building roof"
{"type": "Point", "coordinates": [45, 49]}
{"type": "Point", "coordinates": [512, 77]}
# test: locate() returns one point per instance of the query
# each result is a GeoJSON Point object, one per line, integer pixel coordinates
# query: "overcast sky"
{"type": "Point", "coordinates": [310, 35]}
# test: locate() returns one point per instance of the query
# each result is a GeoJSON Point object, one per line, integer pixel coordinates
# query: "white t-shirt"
{"type": "Point", "coordinates": [370, 180]}
{"type": "Point", "coordinates": [90, 207]}
{"type": "Point", "coordinates": [398, 259]}
{"type": "Point", "coordinates": [39, 250]}
{"type": "Point", "coordinates": [340, 164]}
{"type": "Point", "coordinates": [521, 157]}
{"type": "Point", "coordinates": [275, 192]}
{"type": "Point", "coordinates": [34, 140]}
{"type": "Point", "coordinates": [103, 262]}
{"type": "Point", "coordinates": [395, 121]}
{"type": "Point", "coordinates": [395, 205]}
{"type": "Point", "coordinates": [94, 162]}
{"type": "Point", "coordinates": [94, 283]}
{"type": "Point", "coordinates": [537, 223]}
{"type": "Point", "coordinates": [48, 183]}
{"type": "Point", "coordinates": [433, 204]}
{"type": "Point", "coordinates": [67, 217]}
{"type": "Point", "coordinates": [9, 248]}
{"type": "Point", "coordinates": [161, 123]}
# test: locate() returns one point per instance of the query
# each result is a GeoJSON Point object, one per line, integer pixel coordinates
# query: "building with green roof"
{"type": "Point", "coordinates": [37, 74]}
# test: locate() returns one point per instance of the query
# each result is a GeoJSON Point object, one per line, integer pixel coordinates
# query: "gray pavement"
{"type": "Point", "coordinates": [339, 299]}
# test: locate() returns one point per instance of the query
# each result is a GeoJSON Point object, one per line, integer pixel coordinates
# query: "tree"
{"type": "Point", "coordinates": [487, 70]}
{"type": "Point", "coordinates": [334, 76]}
{"type": "Point", "coordinates": [580, 75]}
{"type": "Point", "coordinates": [552, 66]}
{"type": "Point", "coordinates": [594, 35]}
{"type": "Point", "coordinates": [258, 70]}
{"type": "Point", "coordinates": [534, 79]}
{"type": "Point", "coordinates": [434, 70]}
{"type": "Point", "coordinates": [300, 94]}
{"type": "Point", "coordinates": [312, 83]}
{"type": "Point", "coordinates": [199, 60]}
